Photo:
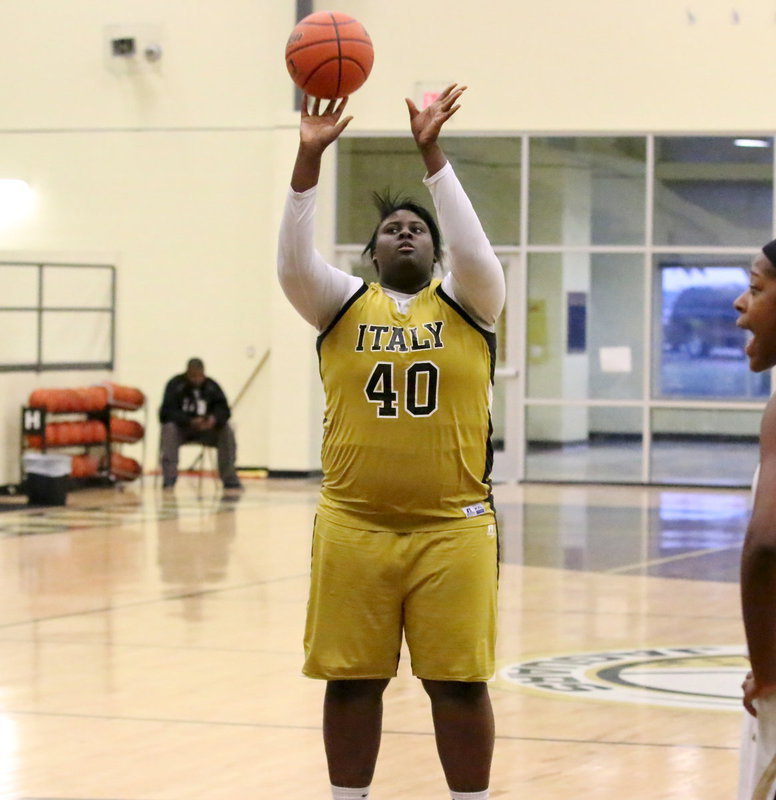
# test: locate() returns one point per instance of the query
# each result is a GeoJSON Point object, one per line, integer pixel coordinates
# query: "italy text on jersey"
{"type": "Point", "coordinates": [394, 338]}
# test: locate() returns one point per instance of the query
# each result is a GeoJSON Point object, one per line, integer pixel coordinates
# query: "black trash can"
{"type": "Point", "coordinates": [46, 477]}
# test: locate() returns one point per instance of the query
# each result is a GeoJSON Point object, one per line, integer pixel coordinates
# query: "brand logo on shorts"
{"type": "Point", "coordinates": [477, 510]}
{"type": "Point", "coordinates": [686, 677]}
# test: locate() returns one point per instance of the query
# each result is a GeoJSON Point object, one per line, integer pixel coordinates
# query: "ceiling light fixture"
{"type": "Point", "coordinates": [751, 142]}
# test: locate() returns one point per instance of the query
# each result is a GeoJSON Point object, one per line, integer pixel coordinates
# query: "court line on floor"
{"type": "Point", "coordinates": [388, 732]}
{"type": "Point", "coordinates": [152, 601]}
{"type": "Point", "coordinates": [58, 519]}
{"type": "Point", "coordinates": [668, 559]}
{"type": "Point", "coordinates": [54, 640]}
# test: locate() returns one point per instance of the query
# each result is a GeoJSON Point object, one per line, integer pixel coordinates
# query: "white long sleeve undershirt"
{"type": "Point", "coordinates": [318, 290]}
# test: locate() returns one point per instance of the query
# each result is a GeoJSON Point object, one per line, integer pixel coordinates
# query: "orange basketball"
{"type": "Point", "coordinates": [329, 54]}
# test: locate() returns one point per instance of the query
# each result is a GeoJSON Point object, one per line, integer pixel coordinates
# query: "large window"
{"type": "Point", "coordinates": [587, 190]}
{"type": "Point", "coordinates": [489, 168]}
{"type": "Point", "coordinates": [699, 351]}
{"type": "Point", "coordinates": [710, 191]}
{"type": "Point", "coordinates": [57, 316]}
{"type": "Point", "coordinates": [620, 358]}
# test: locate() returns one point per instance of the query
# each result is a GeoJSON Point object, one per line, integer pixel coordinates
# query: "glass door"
{"type": "Point", "coordinates": [507, 415]}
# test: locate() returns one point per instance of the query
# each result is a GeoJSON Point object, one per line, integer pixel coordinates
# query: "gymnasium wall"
{"type": "Point", "coordinates": [162, 168]}
{"type": "Point", "coordinates": [565, 65]}
{"type": "Point", "coordinates": [176, 170]}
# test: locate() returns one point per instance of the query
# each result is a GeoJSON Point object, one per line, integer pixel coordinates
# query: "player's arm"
{"type": "Point", "coordinates": [476, 280]}
{"type": "Point", "coordinates": [316, 289]}
{"type": "Point", "coordinates": [171, 410]}
{"type": "Point", "coordinates": [218, 405]}
{"type": "Point", "coordinates": [427, 124]}
{"type": "Point", "coordinates": [476, 277]}
{"type": "Point", "coordinates": [758, 569]}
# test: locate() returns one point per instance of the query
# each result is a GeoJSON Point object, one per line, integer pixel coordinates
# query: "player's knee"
{"type": "Point", "coordinates": [354, 690]}
{"type": "Point", "coordinates": [467, 692]}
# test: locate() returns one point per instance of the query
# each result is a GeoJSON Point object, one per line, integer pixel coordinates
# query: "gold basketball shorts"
{"type": "Point", "coordinates": [437, 588]}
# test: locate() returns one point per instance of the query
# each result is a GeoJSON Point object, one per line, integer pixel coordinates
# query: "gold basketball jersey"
{"type": "Point", "coordinates": [406, 440]}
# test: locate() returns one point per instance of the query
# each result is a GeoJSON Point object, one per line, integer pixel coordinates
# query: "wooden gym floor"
{"type": "Point", "coordinates": [150, 648]}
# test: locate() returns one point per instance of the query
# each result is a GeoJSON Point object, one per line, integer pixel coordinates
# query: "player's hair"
{"type": "Point", "coordinates": [195, 363]}
{"type": "Point", "coordinates": [387, 203]}
{"type": "Point", "coordinates": [769, 251]}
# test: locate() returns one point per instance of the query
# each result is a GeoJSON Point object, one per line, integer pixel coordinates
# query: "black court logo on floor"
{"type": "Point", "coordinates": [703, 676]}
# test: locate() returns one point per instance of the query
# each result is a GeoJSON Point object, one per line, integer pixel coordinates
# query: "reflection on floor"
{"type": "Point", "coordinates": [683, 535]}
{"type": "Point", "coordinates": [702, 463]}
{"type": "Point", "coordinates": [150, 648]}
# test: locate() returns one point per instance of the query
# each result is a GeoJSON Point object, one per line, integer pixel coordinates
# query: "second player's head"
{"type": "Point", "coordinates": [757, 309]}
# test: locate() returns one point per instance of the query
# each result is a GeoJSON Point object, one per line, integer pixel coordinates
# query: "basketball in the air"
{"type": "Point", "coordinates": [329, 54]}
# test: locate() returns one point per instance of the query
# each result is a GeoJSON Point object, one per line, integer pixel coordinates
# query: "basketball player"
{"type": "Point", "coordinates": [757, 309]}
{"type": "Point", "coordinates": [405, 537]}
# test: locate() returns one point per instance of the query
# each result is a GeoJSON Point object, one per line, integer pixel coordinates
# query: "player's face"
{"type": "Point", "coordinates": [757, 309]}
{"type": "Point", "coordinates": [404, 252]}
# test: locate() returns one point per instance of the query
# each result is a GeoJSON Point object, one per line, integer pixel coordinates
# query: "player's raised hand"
{"type": "Point", "coordinates": [426, 124]}
{"type": "Point", "coordinates": [318, 127]}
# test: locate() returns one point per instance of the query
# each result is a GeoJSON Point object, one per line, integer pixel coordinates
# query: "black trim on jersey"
{"type": "Point", "coordinates": [338, 316]}
{"type": "Point", "coordinates": [489, 464]}
{"type": "Point", "coordinates": [498, 547]}
{"type": "Point", "coordinates": [490, 338]}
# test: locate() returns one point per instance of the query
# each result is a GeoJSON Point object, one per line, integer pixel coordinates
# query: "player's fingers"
{"type": "Point", "coordinates": [453, 96]}
{"type": "Point", "coordinates": [342, 124]}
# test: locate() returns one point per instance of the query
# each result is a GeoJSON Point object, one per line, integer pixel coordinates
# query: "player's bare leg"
{"type": "Point", "coordinates": [352, 724]}
{"type": "Point", "coordinates": [465, 732]}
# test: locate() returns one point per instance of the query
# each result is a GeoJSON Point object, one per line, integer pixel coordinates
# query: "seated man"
{"type": "Point", "coordinates": [195, 409]}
